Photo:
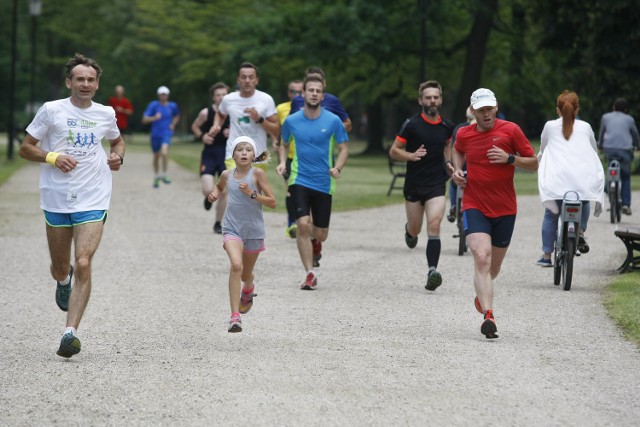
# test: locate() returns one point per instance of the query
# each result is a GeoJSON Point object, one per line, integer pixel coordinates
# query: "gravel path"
{"type": "Point", "coordinates": [369, 347]}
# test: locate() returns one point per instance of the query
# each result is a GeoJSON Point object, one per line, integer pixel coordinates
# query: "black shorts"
{"type": "Point", "coordinates": [500, 229]}
{"type": "Point", "coordinates": [312, 202]}
{"type": "Point", "coordinates": [422, 194]}
{"type": "Point", "coordinates": [212, 161]}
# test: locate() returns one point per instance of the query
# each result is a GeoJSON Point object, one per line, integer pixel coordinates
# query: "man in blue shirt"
{"type": "Point", "coordinates": [316, 133]}
{"type": "Point", "coordinates": [163, 115]}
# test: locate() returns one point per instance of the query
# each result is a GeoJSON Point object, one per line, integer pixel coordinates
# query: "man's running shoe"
{"type": "Point", "coordinates": [156, 182]}
{"type": "Point", "coordinates": [476, 302]}
{"type": "Point", "coordinates": [217, 228]}
{"type": "Point", "coordinates": [69, 345]}
{"type": "Point", "coordinates": [310, 282]}
{"type": "Point", "coordinates": [542, 262]}
{"type": "Point", "coordinates": [489, 327]}
{"type": "Point", "coordinates": [317, 252]}
{"type": "Point", "coordinates": [433, 280]}
{"type": "Point", "coordinates": [207, 204]}
{"type": "Point", "coordinates": [63, 292]}
{"type": "Point", "coordinates": [451, 216]}
{"type": "Point", "coordinates": [166, 180]}
{"type": "Point", "coordinates": [409, 240]}
{"type": "Point", "coordinates": [626, 210]}
{"type": "Point", "coordinates": [235, 323]}
{"type": "Point", "coordinates": [292, 230]}
{"type": "Point", "coordinates": [246, 301]}
{"type": "Point", "coordinates": [583, 246]}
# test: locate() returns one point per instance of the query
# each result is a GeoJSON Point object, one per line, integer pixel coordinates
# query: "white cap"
{"type": "Point", "coordinates": [483, 98]}
{"type": "Point", "coordinates": [163, 90]}
{"type": "Point", "coordinates": [240, 139]}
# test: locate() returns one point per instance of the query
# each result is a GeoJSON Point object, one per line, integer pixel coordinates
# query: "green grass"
{"type": "Point", "coordinates": [9, 167]}
{"type": "Point", "coordinates": [622, 300]}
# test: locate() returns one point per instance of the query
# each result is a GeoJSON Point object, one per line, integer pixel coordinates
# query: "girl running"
{"type": "Point", "coordinates": [243, 224]}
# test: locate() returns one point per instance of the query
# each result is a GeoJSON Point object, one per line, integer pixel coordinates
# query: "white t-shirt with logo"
{"type": "Point", "coordinates": [241, 124]}
{"type": "Point", "coordinates": [66, 129]}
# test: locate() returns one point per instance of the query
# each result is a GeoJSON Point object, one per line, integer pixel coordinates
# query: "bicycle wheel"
{"type": "Point", "coordinates": [613, 201]}
{"type": "Point", "coordinates": [567, 261]}
{"type": "Point", "coordinates": [618, 202]}
{"type": "Point", "coordinates": [557, 260]}
{"type": "Point", "coordinates": [462, 242]}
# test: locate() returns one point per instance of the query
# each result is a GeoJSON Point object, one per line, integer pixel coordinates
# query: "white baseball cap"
{"type": "Point", "coordinates": [241, 139]}
{"type": "Point", "coordinates": [483, 98]}
{"type": "Point", "coordinates": [163, 90]}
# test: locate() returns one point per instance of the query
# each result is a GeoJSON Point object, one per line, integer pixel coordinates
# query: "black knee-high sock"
{"type": "Point", "coordinates": [433, 251]}
{"type": "Point", "coordinates": [291, 210]}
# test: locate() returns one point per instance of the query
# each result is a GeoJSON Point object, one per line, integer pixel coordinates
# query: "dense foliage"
{"type": "Point", "coordinates": [527, 51]}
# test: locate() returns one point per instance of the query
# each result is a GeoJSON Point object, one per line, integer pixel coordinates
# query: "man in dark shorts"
{"type": "Point", "coordinates": [317, 133]}
{"type": "Point", "coordinates": [213, 151]}
{"type": "Point", "coordinates": [492, 148]}
{"type": "Point", "coordinates": [423, 142]}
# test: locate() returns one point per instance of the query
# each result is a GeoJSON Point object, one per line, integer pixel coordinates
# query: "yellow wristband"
{"type": "Point", "coordinates": [51, 158]}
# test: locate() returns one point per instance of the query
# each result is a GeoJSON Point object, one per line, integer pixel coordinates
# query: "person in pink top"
{"type": "Point", "coordinates": [492, 149]}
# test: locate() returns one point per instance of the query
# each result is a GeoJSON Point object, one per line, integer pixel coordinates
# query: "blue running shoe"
{"type": "Point", "coordinates": [69, 345]}
{"type": "Point", "coordinates": [63, 292]}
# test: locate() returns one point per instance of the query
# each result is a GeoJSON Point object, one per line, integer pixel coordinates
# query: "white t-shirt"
{"type": "Point", "coordinates": [77, 132]}
{"type": "Point", "coordinates": [233, 105]}
{"type": "Point", "coordinates": [569, 165]}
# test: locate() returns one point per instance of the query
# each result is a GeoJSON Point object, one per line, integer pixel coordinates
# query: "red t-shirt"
{"type": "Point", "coordinates": [122, 120]}
{"type": "Point", "coordinates": [490, 185]}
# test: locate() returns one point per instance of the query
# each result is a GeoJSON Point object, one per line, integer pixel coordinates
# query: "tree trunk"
{"type": "Point", "coordinates": [375, 129]}
{"type": "Point", "coordinates": [476, 51]}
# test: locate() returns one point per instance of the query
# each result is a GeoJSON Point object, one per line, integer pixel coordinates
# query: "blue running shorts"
{"type": "Point", "coordinates": [55, 219]}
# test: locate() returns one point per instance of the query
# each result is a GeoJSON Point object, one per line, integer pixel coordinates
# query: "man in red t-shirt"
{"type": "Point", "coordinates": [123, 109]}
{"type": "Point", "coordinates": [492, 149]}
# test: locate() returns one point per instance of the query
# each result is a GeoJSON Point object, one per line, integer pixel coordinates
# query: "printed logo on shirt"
{"type": "Point", "coordinates": [83, 140]}
{"type": "Point", "coordinates": [244, 119]}
{"type": "Point", "coordinates": [72, 123]}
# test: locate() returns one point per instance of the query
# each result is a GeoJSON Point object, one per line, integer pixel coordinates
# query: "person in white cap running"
{"type": "Point", "coordinates": [163, 115]}
{"type": "Point", "coordinates": [492, 148]}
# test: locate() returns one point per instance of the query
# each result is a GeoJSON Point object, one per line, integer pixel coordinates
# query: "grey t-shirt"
{"type": "Point", "coordinates": [618, 131]}
{"type": "Point", "coordinates": [243, 217]}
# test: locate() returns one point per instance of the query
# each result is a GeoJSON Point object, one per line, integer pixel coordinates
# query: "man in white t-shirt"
{"type": "Point", "coordinates": [251, 112]}
{"type": "Point", "coordinates": [75, 184]}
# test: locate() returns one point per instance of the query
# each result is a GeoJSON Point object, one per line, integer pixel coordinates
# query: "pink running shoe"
{"type": "Point", "coordinates": [235, 323]}
{"type": "Point", "coordinates": [246, 300]}
{"type": "Point", "coordinates": [310, 282]}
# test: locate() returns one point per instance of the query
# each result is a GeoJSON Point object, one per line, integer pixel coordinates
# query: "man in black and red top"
{"type": "Point", "coordinates": [423, 142]}
{"type": "Point", "coordinates": [213, 151]}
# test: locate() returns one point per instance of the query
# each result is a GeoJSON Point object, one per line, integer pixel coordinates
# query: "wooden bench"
{"type": "Point", "coordinates": [398, 170]}
{"type": "Point", "coordinates": [630, 236]}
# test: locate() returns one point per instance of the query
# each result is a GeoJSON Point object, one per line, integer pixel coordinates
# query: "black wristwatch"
{"type": "Point", "coordinates": [511, 159]}
{"type": "Point", "coordinates": [121, 158]}
{"type": "Point", "coordinates": [254, 195]}
{"type": "Point", "coordinates": [261, 119]}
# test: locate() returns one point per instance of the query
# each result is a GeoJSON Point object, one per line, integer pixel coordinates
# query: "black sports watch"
{"type": "Point", "coordinates": [254, 195]}
{"type": "Point", "coordinates": [261, 119]}
{"type": "Point", "coordinates": [121, 158]}
{"type": "Point", "coordinates": [511, 159]}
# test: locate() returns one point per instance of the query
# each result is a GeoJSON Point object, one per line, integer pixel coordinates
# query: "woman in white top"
{"type": "Point", "coordinates": [568, 162]}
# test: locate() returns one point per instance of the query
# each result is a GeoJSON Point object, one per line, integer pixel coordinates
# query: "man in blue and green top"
{"type": "Point", "coordinates": [316, 133]}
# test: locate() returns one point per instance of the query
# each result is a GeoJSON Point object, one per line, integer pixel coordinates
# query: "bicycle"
{"type": "Point", "coordinates": [566, 245]}
{"type": "Point", "coordinates": [614, 189]}
{"type": "Point", "coordinates": [462, 242]}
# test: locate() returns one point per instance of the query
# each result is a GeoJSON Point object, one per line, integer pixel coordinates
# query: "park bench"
{"type": "Point", "coordinates": [398, 170]}
{"type": "Point", "coordinates": [630, 236]}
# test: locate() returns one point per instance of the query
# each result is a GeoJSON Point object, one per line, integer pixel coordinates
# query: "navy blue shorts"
{"type": "Point", "coordinates": [500, 229]}
{"type": "Point", "coordinates": [316, 203]}
{"type": "Point", "coordinates": [157, 141]}
{"type": "Point", "coordinates": [212, 161]}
